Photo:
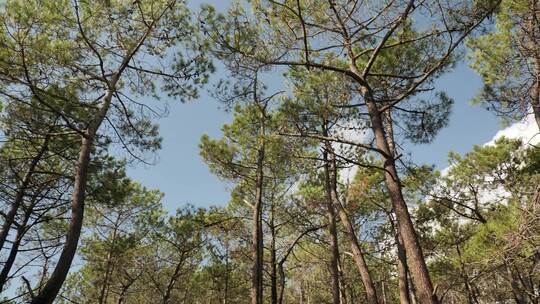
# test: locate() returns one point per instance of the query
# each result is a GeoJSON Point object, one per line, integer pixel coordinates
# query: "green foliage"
{"type": "Point", "coordinates": [504, 58]}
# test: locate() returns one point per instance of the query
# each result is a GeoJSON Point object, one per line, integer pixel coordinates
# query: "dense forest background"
{"type": "Point", "coordinates": [326, 99]}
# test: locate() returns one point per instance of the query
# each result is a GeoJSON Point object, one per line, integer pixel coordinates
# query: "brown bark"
{"type": "Point", "coordinates": [403, 279]}
{"type": "Point", "coordinates": [52, 287]}
{"type": "Point", "coordinates": [273, 260]}
{"type": "Point", "coordinates": [334, 245]}
{"type": "Point", "coordinates": [256, 234]}
{"type": "Point", "coordinates": [49, 292]}
{"type": "Point", "coordinates": [358, 255]}
{"type": "Point", "coordinates": [415, 256]}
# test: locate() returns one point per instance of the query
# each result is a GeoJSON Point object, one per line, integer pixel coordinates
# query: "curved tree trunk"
{"type": "Point", "coordinates": [52, 287]}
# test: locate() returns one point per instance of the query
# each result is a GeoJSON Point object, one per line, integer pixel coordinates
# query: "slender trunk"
{"type": "Point", "coordinates": [8, 264]}
{"type": "Point", "coordinates": [273, 259]}
{"type": "Point", "coordinates": [281, 282]}
{"type": "Point", "coordinates": [415, 257]}
{"type": "Point", "coordinates": [342, 285]}
{"type": "Point", "coordinates": [358, 255]}
{"type": "Point", "coordinates": [535, 33]}
{"type": "Point", "coordinates": [226, 291]}
{"type": "Point", "coordinates": [108, 269]}
{"type": "Point", "coordinates": [535, 94]}
{"type": "Point", "coordinates": [334, 245]}
{"type": "Point", "coordinates": [57, 278]}
{"type": "Point", "coordinates": [519, 297]}
{"type": "Point", "coordinates": [44, 272]}
{"type": "Point", "coordinates": [403, 280]}
{"type": "Point", "coordinates": [383, 288]}
{"type": "Point", "coordinates": [19, 196]}
{"type": "Point", "coordinates": [49, 292]}
{"type": "Point", "coordinates": [256, 235]}
{"type": "Point", "coordinates": [471, 295]}
{"type": "Point", "coordinates": [303, 299]}
{"type": "Point", "coordinates": [122, 296]}
{"type": "Point", "coordinates": [168, 291]}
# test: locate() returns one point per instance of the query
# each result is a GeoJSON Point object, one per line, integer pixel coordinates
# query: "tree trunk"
{"type": "Point", "coordinates": [519, 297]}
{"type": "Point", "coordinates": [415, 257]}
{"type": "Point", "coordinates": [226, 289]}
{"type": "Point", "coordinates": [471, 295]}
{"type": "Point", "coordinates": [342, 285]}
{"type": "Point", "coordinates": [49, 292]}
{"type": "Point", "coordinates": [403, 280]}
{"type": "Point", "coordinates": [358, 255]}
{"type": "Point", "coordinates": [403, 277]}
{"type": "Point", "coordinates": [383, 289]}
{"type": "Point", "coordinates": [535, 94]}
{"type": "Point", "coordinates": [57, 278]}
{"type": "Point", "coordinates": [534, 30]}
{"type": "Point", "coordinates": [19, 196]}
{"type": "Point", "coordinates": [21, 231]}
{"type": "Point", "coordinates": [273, 260]}
{"type": "Point", "coordinates": [256, 235]}
{"type": "Point", "coordinates": [281, 282]}
{"type": "Point", "coordinates": [108, 267]}
{"type": "Point", "coordinates": [168, 291]}
{"type": "Point", "coordinates": [334, 245]}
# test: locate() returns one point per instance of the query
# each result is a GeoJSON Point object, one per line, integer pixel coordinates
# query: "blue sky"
{"type": "Point", "coordinates": [184, 177]}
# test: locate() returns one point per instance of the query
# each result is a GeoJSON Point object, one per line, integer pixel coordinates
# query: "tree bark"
{"type": "Point", "coordinates": [57, 278]}
{"type": "Point", "coordinates": [281, 282]}
{"type": "Point", "coordinates": [415, 257]}
{"type": "Point", "coordinates": [403, 279]}
{"type": "Point", "coordinates": [358, 255]}
{"type": "Point", "coordinates": [273, 260]}
{"type": "Point", "coordinates": [256, 234]}
{"type": "Point", "coordinates": [334, 245]}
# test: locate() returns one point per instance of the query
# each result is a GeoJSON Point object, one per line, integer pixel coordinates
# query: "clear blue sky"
{"type": "Point", "coordinates": [184, 178]}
